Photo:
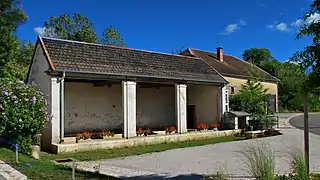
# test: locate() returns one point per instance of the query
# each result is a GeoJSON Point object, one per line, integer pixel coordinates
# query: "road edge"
{"type": "Point", "coordinates": [287, 122]}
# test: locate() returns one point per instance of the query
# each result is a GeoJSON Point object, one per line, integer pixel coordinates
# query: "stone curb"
{"type": "Point", "coordinates": [287, 122]}
{"type": "Point", "coordinates": [10, 173]}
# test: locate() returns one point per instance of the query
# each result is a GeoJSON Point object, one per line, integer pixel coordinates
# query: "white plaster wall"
{"type": "Point", "coordinates": [101, 107]}
{"type": "Point", "coordinates": [42, 81]}
{"type": "Point", "coordinates": [88, 107]}
{"type": "Point", "coordinates": [207, 102]}
{"type": "Point", "coordinates": [155, 107]}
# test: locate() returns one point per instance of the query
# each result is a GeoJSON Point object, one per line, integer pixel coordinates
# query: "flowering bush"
{"type": "Point", "coordinates": [202, 126]}
{"type": "Point", "coordinates": [170, 129]}
{"type": "Point", "coordinates": [23, 112]}
{"type": "Point", "coordinates": [214, 126]}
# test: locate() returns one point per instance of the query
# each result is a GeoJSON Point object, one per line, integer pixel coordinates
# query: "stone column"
{"type": "Point", "coordinates": [55, 110]}
{"type": "Point", "coordinates": [225, 100]}
{"type": "Point", "coordinates": [129, 108]}
{"type": "Point", "coordinates": [181, 107]}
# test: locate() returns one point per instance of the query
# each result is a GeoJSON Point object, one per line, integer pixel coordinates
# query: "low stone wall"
{"type": "Point", "coordinates": [88, 145]}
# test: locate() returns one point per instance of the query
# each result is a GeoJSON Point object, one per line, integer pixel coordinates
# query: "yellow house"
{"type": "Point", "coordinates": [237, 71]}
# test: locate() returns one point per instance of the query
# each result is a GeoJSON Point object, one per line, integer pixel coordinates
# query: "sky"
{"type": "Point", "coordinates": [168, 25]}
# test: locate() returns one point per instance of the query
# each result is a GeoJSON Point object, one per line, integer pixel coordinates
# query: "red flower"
{"type": "Point", "coordinates": [218, 125]}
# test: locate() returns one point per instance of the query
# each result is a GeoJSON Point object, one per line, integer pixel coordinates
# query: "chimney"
{"type": "Point", "coordinates": [220, 54]}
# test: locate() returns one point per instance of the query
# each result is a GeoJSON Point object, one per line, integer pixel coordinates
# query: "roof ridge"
{"type": "Point", "coordinates": [117, 47]}
{"type": "Point", "coordinates": [239, 59]}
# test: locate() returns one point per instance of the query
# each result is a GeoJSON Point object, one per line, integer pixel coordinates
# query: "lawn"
{"type": "Point", "coordinates": [45, 169]}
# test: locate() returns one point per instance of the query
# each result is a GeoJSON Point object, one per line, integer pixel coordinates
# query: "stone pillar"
{"type": "Point", "coordinates": [181, 107]}
{"type": "Point", "coordinates": [236, 123]}
{"type": "Point", "coordinates": [55, 110]}
{"type": "Point", "coordinates": [129, 108]}
{"type": "Point", "coordinates": [225, 100]}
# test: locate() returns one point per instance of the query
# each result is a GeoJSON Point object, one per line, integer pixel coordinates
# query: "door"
{"type": "Point", "coordinates": [191, 117]}
{"type": "Point", "coordinates": [272, 103]}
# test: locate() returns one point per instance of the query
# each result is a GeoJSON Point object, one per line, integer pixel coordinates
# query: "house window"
{"type": "Point", "coordinates": [226, 96]}
{"type": "Point", "coordinates": [233, 89]}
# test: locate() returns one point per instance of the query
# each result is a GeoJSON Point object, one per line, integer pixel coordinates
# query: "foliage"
{"type": "Point", "coordinates": [72, 27]}
{"type": "Point", "coordinates": [298, 165]}
{"type": "Point", "coordinates": [170, 129]}
{"type": "Point", "coordinates": [11, 16]}
{"type": "Point", "coordinates": [111, 36]}
{"type": "Point", "coordinates": [252, 98]}
{"type": "Point", "coordinates": [257, 56]}
{"type": "Point", "coordinates": [260, 161]}
{"type": "Point", "coordinates": [23, 112]}
{"type": "Point", "coordinates": [202, 126]}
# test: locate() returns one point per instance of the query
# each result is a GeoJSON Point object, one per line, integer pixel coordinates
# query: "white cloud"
{"type": "Point", "coordinates": [282, 27]}
{"type": "Point", "coordinates": [297, 23]}
{"type": "Point", "coordinates": [40, 30]}
{"type": "Point", "coordinates": [313, 18]}
{"type": "Point", "coordinates": [231, 28]}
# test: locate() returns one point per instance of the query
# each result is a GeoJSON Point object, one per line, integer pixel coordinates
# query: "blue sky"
{"type": "Point", "coordinates": [167, 25]}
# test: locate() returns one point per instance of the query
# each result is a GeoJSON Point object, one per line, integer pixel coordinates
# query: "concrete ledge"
{"type": "Point", "coordinates": [10, 173]}
{"type": "Point", "coordinates": [89, 145]}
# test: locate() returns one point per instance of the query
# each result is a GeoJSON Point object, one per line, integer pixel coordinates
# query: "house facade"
{"type": "Point", "coordinates": [237, 71]}
{"type": "Point", "coordinates": [95, 87]}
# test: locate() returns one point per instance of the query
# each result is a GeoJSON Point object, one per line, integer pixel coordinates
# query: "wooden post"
{"type": "Point", "coordinates": [73, 171]}
{"type": "Point", "coordinates": [306, 131]}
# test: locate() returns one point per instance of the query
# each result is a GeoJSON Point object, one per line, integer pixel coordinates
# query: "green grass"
{"type": "Point", "coordinates": [45, 169]}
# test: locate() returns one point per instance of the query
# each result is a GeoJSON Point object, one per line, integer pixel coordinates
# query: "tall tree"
{"type": "Point", "coordinates": [72, 27]}
{"type": "Point", "coordinates": [257, 56]}
{"type": "Point", "coordinates": [309, 58]}
{"type": "Point", "coordinates": [111, 36]}
{"type": "Point", "coordinates": [262, 58]}
{"type": "Point", "coordinates": [11, 16]}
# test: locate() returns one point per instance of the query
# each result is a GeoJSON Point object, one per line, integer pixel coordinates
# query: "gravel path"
{"type": "Point", "coordinates": [208, 159]}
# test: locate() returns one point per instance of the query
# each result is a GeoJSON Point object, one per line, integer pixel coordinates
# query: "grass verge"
{"type": "Point", "coordinates": [45, 169]}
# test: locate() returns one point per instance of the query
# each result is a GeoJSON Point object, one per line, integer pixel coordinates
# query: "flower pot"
{"type": "Point", "coordinates": [35, 151]}
{"type": "Point", "coordinates": [215, 129]}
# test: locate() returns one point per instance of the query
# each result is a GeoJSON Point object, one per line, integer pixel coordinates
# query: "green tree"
{"type": "Point", "coordinates": [251, 98]}
{"type": "Point", "coordinates": [291, 76]}
{"type": "Point", "coordinates": [309, 58]}
{"type": "Point", "coordinates": [111, 36]}
{"type": "Point", "coordinates": [11, 16]}
{"type": "Point", "coordinates": [257, 56]}
{"type": "Point", "coordinates": [72, 27]}
{"type": "Point", "coordinates": [262, 58]}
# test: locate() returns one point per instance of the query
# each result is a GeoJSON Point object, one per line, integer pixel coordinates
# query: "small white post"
{"type": "Point", "coordinates": [236, 123]}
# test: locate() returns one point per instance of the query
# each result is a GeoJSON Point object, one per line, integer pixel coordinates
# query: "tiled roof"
{"type": "Point", "coordinates": [231, 66]}
{"type": "Point", "coordinates": [74, 56]}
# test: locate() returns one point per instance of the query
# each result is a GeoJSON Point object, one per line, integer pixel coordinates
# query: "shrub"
{"type": "Point", "coordinates": [298, 165]}
{"type": "Point", "coordinates": [260, 161]}
{"type": "Point", "coordinates": [23, 112]}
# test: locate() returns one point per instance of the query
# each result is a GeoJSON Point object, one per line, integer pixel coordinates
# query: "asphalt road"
{"type": "Point", "coordinates": [314, 123]}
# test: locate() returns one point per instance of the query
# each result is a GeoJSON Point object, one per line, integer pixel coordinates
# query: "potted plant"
{"type": "Point", "coordinates": [87, 135]}
{"type": "Point", "coordinates": [215, 126]}
{"type": "Point", "coordinates": [35, 147]}
{"type": "Point", "coordinates": [146, 132]}
{"type": "Point", "coordinates": [170, 129]}
{"type": "Point", "coordinates": [106, 134]}
{"type": "Point", "coordinates": [139, 131]}
{"type": "Point", "coordinates": [202, 126]}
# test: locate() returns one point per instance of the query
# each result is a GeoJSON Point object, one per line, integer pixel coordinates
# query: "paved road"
{"type": "Point", "coordinates": [314, 123]}
{"type": "Point", "coordinates": [210, 158]}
